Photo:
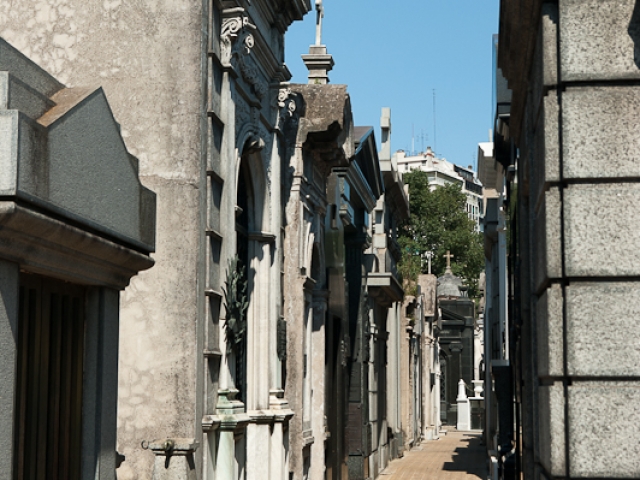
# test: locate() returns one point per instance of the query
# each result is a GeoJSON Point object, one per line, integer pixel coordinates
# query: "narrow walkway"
{"type": "Point", "coordinates": [456, 456]}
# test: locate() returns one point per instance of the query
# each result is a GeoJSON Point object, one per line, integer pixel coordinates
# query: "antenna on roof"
{"type": "Point", "coordinates": [413, 141]}
{"type": "Point", "coordinates": [435, 142]}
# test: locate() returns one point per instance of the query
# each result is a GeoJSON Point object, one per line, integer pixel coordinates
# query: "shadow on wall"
{"type": "Point", "coordinates": [634, 32]}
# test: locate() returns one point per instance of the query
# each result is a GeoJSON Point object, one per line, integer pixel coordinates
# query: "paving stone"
{"type": "Point", "coordinates": [455, 456]}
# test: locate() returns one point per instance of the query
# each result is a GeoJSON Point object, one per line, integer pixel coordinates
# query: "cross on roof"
{"type": "Point", "coordinates": [448, 256]}
{"type": "Point", "coordinates": [319, 17]}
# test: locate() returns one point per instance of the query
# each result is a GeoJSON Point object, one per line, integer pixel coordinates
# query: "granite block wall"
{"type": "Point", "coordinates": [580, 135]}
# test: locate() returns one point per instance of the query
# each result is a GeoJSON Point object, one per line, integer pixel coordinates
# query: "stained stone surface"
{"type": "Point", "coordinates": [547, 238]}
{"type": "Point", "coordinates": [551, 429]}
{"type": "Point", "coordinates": [603, 430]}
{"type": "Point", "coordinates": [546, 168]}
{"type": "Point", "coordinates": [599, 240]}
{"type": "Point", "coordinates": [602, 324]}
{"type": "Point", "coordinates": [600, 39]}
{"type": "Point", "coordinates": [545, 61]}
{"type": "Point", "coordinates": [9, 277]}
{"type": "Point", "coordinates": [600, 132]}
{"type": "Point", "coordinates": [549, 317]}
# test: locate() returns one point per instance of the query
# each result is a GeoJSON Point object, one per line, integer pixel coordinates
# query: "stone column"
{"type": "Point", "coordinates": [427, 395]}
{"type": "Point", "coordinates": [318, 385]}
{"type": "Point", "coordinates": [9, 282]}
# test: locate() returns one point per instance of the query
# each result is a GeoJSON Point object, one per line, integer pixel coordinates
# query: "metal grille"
{"type": "Point", "coordinates": [48, 421]}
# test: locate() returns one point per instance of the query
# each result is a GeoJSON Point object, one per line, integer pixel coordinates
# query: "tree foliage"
{"type": "Point", "coordinates": [439, 222]}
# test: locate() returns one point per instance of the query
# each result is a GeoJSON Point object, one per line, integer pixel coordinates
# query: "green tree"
{"type": "Point", "coordinates": [439, 222]}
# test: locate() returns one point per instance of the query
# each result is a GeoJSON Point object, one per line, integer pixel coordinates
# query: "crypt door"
{"type": "Point", "coordinates": [48, 420]}
{"type": "Point", "coordinates": [444, 405]}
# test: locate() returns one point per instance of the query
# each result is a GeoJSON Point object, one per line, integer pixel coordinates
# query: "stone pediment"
{"type": "Point", "coordinates": [72, 162]}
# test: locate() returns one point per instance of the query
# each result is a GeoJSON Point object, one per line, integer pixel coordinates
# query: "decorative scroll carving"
{"type": "Point", "coordinates": [236, 42]}
{"type": "Point", "coordinates": [283, 96]}
{"type": "Point", "coordinates": [234, 29]}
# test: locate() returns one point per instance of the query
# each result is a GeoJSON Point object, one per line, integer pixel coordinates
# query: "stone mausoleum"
{"type": "Point", "coordinates": [456, 341]}
{"type": "Point", "coordinates": [75, 226]}
{"type": "Point", "coordinates": [567, 142]}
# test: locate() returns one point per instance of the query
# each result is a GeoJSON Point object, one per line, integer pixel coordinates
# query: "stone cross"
{"type": "Point", "coordinates": [319, 17]}
{"type": "Point", "coordinates": [448, 256]}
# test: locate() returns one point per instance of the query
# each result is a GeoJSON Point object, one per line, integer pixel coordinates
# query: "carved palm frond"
{"type": "Point", "coordinates": [236, 304]}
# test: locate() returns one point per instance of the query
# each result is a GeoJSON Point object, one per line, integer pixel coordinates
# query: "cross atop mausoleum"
{"type": "Point", "coordinates": [318, 61]}
{"type": "Point", "coordinates": [448, 256]}
{"type": "Point", "coordinates": [319, 17]}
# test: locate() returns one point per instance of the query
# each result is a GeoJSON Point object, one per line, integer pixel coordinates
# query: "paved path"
{"type": "Point", "coordinates": [456, 456]}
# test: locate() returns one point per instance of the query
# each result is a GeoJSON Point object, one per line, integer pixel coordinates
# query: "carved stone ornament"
{"type": "Point", "coordinates": [236, 304]}
{"type": "Point", "coordinates": [250, 74]}
{"type": "Point", "coordinates": [283, 96]}
{"type": "Point", "coordinates": [288, 118]}
{"type": "Point", "coordinates": [234, 29]}
{"type": "Point", "coordinates": [236, 42]}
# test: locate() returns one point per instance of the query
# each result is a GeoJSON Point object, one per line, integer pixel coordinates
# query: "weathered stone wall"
{"type": "Point", "coordinates": [147, 56]}
{"type": "Point", "coordinates": [177, 79]}
{"type": "Point", "coordinates": [578, 177]}
{"type": "Point", "coordinates": [154, 92]}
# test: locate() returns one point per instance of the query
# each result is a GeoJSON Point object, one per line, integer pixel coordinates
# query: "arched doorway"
{"type": "Point", "coordinates": [244, 201]}
{"type": "Point", "coordinates": [252, 374]}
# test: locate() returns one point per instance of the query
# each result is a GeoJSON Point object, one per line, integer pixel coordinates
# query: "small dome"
{"type": "Point", "coordinates": [449, 285]}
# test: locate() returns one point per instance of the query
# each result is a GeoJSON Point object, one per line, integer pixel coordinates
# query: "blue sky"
{"type": "Point", "coordinates": [394, 54]}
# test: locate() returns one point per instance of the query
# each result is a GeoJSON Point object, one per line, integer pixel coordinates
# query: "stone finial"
{"type": "Point", "coordinates": [462, 390]}
{"type": "Point", "coordinates": [318, 61]}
